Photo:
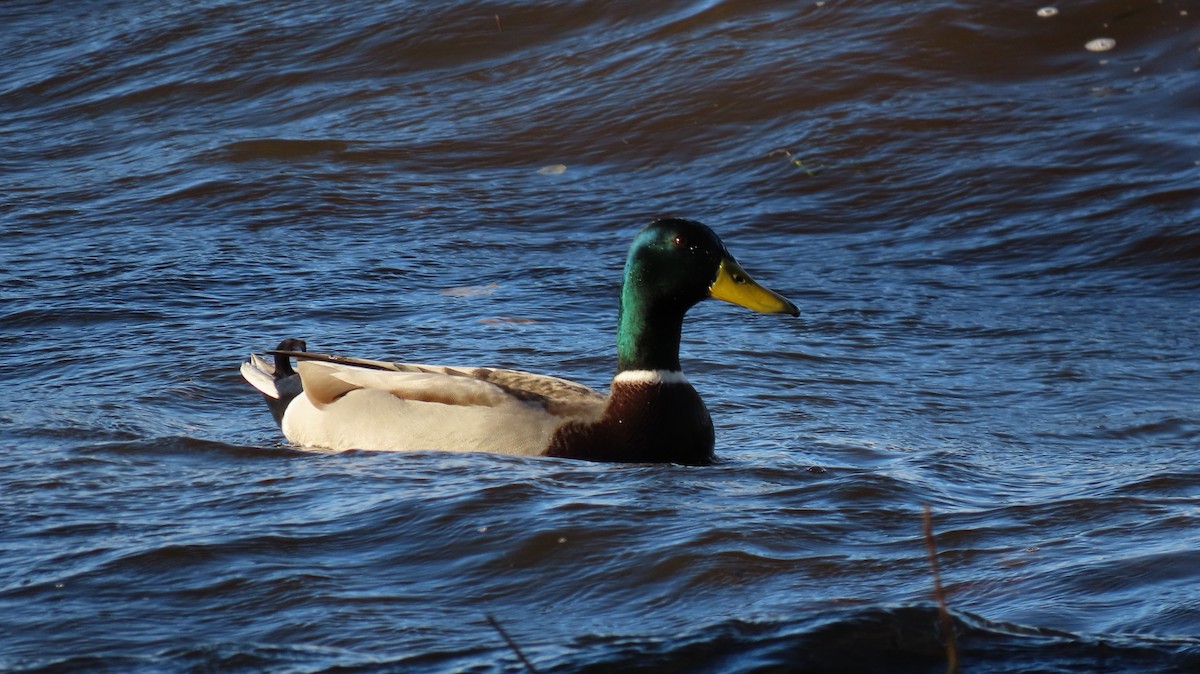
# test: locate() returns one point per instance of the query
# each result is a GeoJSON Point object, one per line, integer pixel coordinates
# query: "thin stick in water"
{"type": "Point", "coordinates": [511, 644]}
{"type": "Point", "coordinates": [945, 624]}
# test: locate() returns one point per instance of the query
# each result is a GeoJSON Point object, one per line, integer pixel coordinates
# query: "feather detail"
{"type": "Point", "coordinates": [325, 382]}
{"type": "Point", "coordinates": [261, 376]}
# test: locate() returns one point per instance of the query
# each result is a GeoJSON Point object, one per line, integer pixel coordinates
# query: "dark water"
{"type": "Point", "coordinates": [992, 232]}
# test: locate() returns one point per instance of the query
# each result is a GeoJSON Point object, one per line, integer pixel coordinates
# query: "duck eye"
{"type": "Point", "coordinates": [681, 241]}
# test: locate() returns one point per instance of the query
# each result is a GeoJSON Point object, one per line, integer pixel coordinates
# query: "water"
{"type": "Point", "coordinates": [992, 232]}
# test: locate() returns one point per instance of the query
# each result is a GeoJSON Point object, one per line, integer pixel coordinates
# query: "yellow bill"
{"type": "Point", "coordinates": [734, 285]}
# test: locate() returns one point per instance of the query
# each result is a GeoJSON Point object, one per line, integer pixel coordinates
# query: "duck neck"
{"type": "Point", "coordinates": [648, 334]}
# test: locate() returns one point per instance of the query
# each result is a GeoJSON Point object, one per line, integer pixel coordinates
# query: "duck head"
{"type": "Point", "coordinates": [673, 264]}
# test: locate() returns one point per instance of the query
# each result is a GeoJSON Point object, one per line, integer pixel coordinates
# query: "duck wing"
{"type": "Point", "coordinates": [327, 378]}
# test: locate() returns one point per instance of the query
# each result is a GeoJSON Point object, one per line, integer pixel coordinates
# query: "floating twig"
{"type": "Point", "coordinates": [792, 159]}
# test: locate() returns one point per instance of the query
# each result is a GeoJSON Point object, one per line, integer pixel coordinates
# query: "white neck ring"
{"type": "Point", "coordinates": [650, 377]}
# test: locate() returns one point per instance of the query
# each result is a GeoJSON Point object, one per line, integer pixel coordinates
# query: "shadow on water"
{"type": "Point", "coordinates": [899, 639]}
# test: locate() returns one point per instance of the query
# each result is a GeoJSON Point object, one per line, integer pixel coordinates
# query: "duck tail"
{"type": "Point", "coordinates": [278, 381]}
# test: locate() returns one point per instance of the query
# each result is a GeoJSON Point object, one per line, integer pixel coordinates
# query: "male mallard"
{"type": "Point", "coordinates": [652, 413]}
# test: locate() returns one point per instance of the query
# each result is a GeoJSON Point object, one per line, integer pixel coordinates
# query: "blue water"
{"type": "Point", "coordinates": [993, 235]}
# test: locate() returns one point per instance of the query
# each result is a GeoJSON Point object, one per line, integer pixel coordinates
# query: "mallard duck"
{"type": "Point", "coordinates": [651, 414]}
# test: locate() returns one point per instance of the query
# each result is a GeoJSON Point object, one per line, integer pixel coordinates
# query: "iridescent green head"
{"type": "Point", "coordinates": [672, 265]}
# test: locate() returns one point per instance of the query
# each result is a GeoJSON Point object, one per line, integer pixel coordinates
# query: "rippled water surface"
{"type": "Point", "coordinates": [993, 234]}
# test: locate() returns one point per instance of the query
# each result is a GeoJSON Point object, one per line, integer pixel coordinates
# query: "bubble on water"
{"type": "Point", "coordinates": [1047, 11]}
{"type": "Point", "coordinates": [1101, 44]}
